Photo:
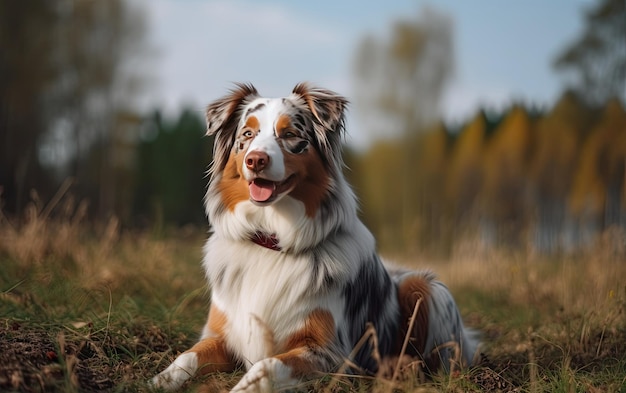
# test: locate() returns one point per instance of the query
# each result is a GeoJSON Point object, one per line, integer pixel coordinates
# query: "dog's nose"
{"type": "Point", "coordinates": [257, 160]}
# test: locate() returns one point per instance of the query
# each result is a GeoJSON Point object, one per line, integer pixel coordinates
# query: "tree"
{"type": "Point", "coordinates": [26, 72]}
{"type": "Point", "coordinates": [551, 170]}
{"type": "Point", "coordinates": [95, 40]}
{"type": "Point", "coordinates": [464, 177]}
{"type": "Point", "coordinates": [597, 59]}
{"type": "Point", "coordinates": [64, 83]}
{"type": "Point", "coordinates": [398, 83]}
{"type": "Point", "coordinates": [171, 169]}
{"type": "Point", "coordinates": [598, 192]}
{"type": "Point", "coordinates": [425, 177]}
{"type": "Point", "coordinates": [504, 193]}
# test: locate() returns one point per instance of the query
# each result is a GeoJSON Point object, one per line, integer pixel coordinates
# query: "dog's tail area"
{"type": "Point", "coordinates": [443, 342]}
{"type": "Point", "coordinates": [449, 342]}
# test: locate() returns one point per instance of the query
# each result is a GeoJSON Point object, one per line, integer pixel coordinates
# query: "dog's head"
{"type": "Point", "coordinates": [268, 148]}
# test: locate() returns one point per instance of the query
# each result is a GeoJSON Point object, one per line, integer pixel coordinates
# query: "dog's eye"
{"type": "Point", "coordinates": [247, 134]}
{"type": "Point", "coordinates": [289, 134]}
{"type": "Point", "coordinates": [300, 147]}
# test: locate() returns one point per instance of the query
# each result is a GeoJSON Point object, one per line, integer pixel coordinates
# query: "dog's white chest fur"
{"type": "Point", "coordinates": [265, 294]}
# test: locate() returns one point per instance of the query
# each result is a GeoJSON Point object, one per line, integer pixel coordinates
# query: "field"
{"type": "Point", "coordinates": [98, 308]}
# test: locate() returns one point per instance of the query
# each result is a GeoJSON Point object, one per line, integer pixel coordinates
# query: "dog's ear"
{"type": "Point", "coordinates": [328, 109]}
{"type": "Point", "coordinates": [220, 113]}
{"type": "Point", "coordinates": [221, 120]}
{"type": "Point", "coordinates": [327, 106]}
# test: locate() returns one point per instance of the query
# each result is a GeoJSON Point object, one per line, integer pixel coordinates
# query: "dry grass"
{"type": "Point", "coordinates": [92, 308]}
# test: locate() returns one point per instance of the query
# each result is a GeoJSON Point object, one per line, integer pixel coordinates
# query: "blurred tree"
{"type": "Point", "coordinates": [26, 72]}
{"type": "Point", "coordinates": [381, 173]}
{"type": "Point", "coordinates": [172, 163]}
{"type": "Point", "coordinates": [464, 177]}
{"type": "Point", "coordinates": [552, 164]}
{"type": "Point", "coordinates": [398, 84]}
{"type": "Point", "coordinates": [504, 193]}
{"type": "Point", "coordinates": [64, 84]}
{"type": "Point", "coordinates": [426, 189]}
{"type": "Point", "coordinates": [597, 59]}
{"type": "Point", "coordinates": [598, 193]}
{"type": "Point", "coordinates": [96, 40]}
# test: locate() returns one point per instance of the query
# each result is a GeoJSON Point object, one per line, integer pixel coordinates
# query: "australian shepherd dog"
{"type": "Point", "coordinates": [294, 274]}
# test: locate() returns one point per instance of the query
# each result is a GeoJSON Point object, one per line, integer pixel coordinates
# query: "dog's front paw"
{"type": "Point", "coordinates": [183, 368]}
{"type": "Point", "coordinates": [265, 376]}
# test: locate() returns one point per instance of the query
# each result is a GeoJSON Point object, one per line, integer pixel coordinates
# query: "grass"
{"type": "Point", "coordinates": [93, 308]}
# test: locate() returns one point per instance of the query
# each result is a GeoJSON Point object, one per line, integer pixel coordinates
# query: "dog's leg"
{"type": "Point", "coordinates": [208, 355]}
{"type": "Point", "coordinates": [306, 352]}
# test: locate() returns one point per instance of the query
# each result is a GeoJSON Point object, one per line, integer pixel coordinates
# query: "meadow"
{"type": "Point", "coordinates": [88, 307]}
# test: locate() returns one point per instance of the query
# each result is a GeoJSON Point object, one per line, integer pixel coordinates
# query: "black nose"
{"type": "Point", "coordinates": [256, 161]}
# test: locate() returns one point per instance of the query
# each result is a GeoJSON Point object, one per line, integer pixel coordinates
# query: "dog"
{"type": "Point", "coordinates": [294, 273]}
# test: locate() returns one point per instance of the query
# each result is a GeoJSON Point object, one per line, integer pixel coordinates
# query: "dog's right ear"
{"type": "Point", "coordinates": [221, 120]}
{"type": "Point", "coordinates": [220, 113]}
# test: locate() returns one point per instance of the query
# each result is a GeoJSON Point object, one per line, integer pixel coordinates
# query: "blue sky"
{"type": "Point", "coordinates": [503, 49]}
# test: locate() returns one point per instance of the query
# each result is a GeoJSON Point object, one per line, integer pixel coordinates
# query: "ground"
{"type": "Point", "coordinates": [102, 309]}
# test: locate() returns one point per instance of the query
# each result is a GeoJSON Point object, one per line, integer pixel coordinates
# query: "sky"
{"type": "Point", "coordinates": [503, 49]}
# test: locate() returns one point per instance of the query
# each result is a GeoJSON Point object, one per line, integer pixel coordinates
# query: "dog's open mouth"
{"type": "Point", "coordinates": [265, 191]}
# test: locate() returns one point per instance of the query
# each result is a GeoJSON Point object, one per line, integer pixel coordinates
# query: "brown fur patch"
{"type": "Point", "coordinates": [233, 187]}
{"type": "Point", "coordinates": [217, 321]}
{"type": "Point", "coordinates": [409, 292]}
{"type": "Point", "coordinates": [312, 179]}
{"type": "Point", "coordinates": [295, 359]}
{"type": "Point", "coordinates": [318, 331]}
{"type": "Point", "coordinates": [253, 123]}
{"type": "Point", "coordinates": [282, 124]}
{"type": "Point", "coordinates": [212, 356]}
{"type": "Point", "coordinates": [211, 352]}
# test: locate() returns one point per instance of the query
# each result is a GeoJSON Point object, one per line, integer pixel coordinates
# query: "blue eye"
{"type": "Point", "coordinates": [248, 134]}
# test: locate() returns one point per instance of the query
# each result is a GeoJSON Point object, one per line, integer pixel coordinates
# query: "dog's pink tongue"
{"type": "Point", "coordinates": [261, 190]}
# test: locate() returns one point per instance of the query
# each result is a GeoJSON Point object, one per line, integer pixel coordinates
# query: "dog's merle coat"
{"type": "Point", "coordinates": [294, 274]}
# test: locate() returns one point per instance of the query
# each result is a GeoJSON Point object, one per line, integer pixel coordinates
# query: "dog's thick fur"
{"type": "Point", "coordinates": [294, 274]}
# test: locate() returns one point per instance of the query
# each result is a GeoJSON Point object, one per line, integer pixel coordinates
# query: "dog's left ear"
{"type": "Point", "coordinates": [327, 106]}
{"type": "Point", "coordinates": [328, 109]}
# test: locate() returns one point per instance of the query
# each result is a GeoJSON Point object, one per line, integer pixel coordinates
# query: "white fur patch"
{"type": "Point", "coordinates": [266, 376]}
{"type": "Point", "coordinates": [265, 141]}
{"type": "Point", "coordinates": [183, 368]}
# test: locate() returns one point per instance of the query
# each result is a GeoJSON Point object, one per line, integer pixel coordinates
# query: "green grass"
{"type": "Point", "coordinates": [91, 309]}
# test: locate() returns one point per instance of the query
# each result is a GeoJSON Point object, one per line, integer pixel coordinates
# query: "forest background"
{"type": "Point", "coordinates": [543, 179]}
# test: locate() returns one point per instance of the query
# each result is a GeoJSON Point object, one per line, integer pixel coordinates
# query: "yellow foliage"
{"type": "Point", "coordinates": [505, 168]}
{"type": "Point", "coordinates": [567, 165]}
{"type": "Point", "coordinates": [602, 162]}
{"type": "Point", "coordinates": [553, 157]}
{"type": "Point", "coordinates": [465, 175]}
